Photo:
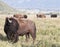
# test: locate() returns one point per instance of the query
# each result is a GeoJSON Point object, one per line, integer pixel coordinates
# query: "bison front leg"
{"type": "Point", "coordinates": [27, 37]}
{"type": "Point", "coordinates": [15, 38]}
{"type": "Point", "coordinates": [9, 36]}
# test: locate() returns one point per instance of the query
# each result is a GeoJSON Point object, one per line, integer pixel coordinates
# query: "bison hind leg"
{"type": "Point", "coordinates": [33, 35]}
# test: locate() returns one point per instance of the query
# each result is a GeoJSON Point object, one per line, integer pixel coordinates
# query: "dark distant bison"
{"type": "Point", "coordinates": [20, 16]}
{"type": "Point", "coordinates": [53, 15]}
{"type": "Point", "coordinates": [41, 16]}
{"type": "Point", "coordinates": [14, 27]}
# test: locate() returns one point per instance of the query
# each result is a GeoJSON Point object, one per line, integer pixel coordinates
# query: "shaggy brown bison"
{"type": "Point", "coordinates": [41, 16]}
{"type": "Point", "coordinates": [54, 15]}
{"type": "Point", "coordinates": [14, 28]}
{"type": "Point", "coordinates": [20, 16]}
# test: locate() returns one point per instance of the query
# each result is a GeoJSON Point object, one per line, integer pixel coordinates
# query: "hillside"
{"type": "Point", "coordinates": [5, 8]}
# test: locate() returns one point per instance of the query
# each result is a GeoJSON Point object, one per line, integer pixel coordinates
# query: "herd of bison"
{"type": "Point", "coordinates": [19, 25]}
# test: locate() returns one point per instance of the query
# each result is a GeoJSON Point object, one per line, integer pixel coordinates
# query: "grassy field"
{"type": "Point", "coordinates": [48, 34]}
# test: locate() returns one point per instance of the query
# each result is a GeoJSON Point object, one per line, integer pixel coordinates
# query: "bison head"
{"type": "Point", "coordinates": [10, 27]}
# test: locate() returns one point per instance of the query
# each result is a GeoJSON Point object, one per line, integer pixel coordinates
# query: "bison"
{"type": "Point", "coordinates": [15, 28]}
{"type": "Point", "coordinates": [54, 15]}
{"type": "Point", "coordinates": [41, 16]}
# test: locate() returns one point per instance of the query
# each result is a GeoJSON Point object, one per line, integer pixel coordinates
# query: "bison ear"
{"type": "Point", "coordinates": [6, 18]}
{"type": "Point", "coordinates": [25, 16]}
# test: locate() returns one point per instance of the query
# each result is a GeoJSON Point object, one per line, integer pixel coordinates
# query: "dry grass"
{"type": "Point", "coordinates": [48, 34]}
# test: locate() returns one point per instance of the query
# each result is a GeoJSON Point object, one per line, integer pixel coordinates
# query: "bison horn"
{"type": "Point", "coordinates": [9, 21]}
{"type": "Point", "coordinates": [25, 16]}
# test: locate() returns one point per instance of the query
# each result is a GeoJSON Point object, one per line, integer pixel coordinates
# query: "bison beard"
{"type": "Point", "coordinates": [10, 28]}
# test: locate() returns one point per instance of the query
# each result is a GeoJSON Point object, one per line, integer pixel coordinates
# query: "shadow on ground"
{"type": "Point", "coordinates": [3, 38]}
{"type": "Point", "coordinates": [32, 45]}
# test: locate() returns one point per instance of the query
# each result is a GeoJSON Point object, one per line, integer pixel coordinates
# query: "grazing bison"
{"type": "Point", "coordinates": [14, 28]}
{"type": "Point", "coordinates": [41, 16]}
{"type": "Point", "coordinates": [20, 16]}
{"type": "Point", "coordinates": [54, 15]}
